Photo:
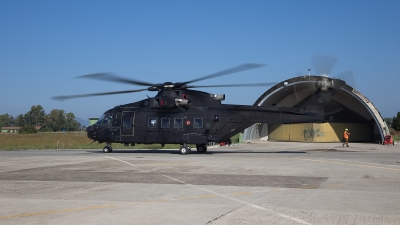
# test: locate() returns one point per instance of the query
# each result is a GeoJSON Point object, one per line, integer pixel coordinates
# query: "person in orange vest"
{"type": "Point", "coordinates": [346, 135]}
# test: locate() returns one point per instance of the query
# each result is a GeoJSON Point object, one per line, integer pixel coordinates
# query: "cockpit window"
{"type": "Point", "coordinates": [105, 119]}
{"type": "Point", "coordinates": [100, 119]}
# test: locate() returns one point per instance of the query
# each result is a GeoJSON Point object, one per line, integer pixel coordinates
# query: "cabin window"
{"type": "Point", "coordinates": [178, 122]}
{"type": "Point", "coordinates": [198, 123]}
{"type": "Point", "coordinates": [127, 122]}
{"type": "Point", "coordinates": [164, 122]}
{"type": "Point", "coordinates": [152, 123]}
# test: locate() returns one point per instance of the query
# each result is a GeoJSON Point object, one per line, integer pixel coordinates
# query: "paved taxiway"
{"type": "Point", "coordinates": [256, 183]}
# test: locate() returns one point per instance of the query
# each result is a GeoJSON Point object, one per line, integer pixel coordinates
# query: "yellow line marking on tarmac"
{"type": "Point", "coordinates": [205, 196]}
{"type": "Point", "coordinates": [199, 197]}
{"type": "Point", "coordinates": [309, 187]}
{"type": "Point", "coordinates": [56, 211]}
{"type": "Point", "coordinates": [154, 201]}
{"type": "Point", "coordinates": [335, 184]}
{"type": "Point", "coordinates": [349, 164]}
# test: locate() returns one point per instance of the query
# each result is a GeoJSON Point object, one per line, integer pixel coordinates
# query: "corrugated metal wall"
{"type": "Point", "coordinates": [323, 132]}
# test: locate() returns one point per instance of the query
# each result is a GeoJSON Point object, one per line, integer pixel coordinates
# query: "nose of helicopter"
{"type": "Point", "coordinates": [91, 133]}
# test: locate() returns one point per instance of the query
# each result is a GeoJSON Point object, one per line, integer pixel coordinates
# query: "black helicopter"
{"type": "Point", "coordinates": [179, 115]}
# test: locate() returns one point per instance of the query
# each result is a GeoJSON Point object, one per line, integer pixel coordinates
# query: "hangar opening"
{"type": "Point", "coordinates": [343, 107]}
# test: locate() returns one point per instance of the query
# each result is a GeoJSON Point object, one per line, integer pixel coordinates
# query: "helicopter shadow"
{"type": "Point", "coordinates": [256, 152]}
{"type": "Point", "coordinates": [176, 152]}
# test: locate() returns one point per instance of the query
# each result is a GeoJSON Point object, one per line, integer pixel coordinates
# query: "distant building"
{"type": "Point", "coordinates": [15, 129]}
{"type": "Point", "coordinates": [92, 121]}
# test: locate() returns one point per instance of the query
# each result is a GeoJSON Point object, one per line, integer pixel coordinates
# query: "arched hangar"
{"type": "Point", "coordinates": [343, 107]}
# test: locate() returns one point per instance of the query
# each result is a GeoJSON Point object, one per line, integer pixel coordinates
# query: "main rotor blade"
{"type": "Point", "coordinates": [222, 73]}
{"type": "Point", "coordinates": [65, 97]}
{"type": "Point", "coordinates": [234, 85]}
{"type": "Point", "coordinates": [324, 64]}
{"type": "Point", "coordinates": [349, 77]}
{"type": "Point", "coordinates": [115, 78]}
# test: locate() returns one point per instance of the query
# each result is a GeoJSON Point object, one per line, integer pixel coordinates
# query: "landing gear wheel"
{"type": "Point", "coordinates": [184, 150]}
{"type": "Point", "coordinates": [107, 148]}
{"type": "Point", "coordinates": [201, 148]}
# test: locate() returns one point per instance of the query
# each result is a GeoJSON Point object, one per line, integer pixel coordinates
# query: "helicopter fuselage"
{"type": "Point", "coordinates": [187, 117]}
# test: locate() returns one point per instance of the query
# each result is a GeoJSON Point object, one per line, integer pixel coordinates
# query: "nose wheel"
{"type": "Point", "coordinates": [107, 148]}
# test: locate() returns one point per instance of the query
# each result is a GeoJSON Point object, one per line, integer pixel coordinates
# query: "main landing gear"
{"type": "Point", "coordinates": [107, 148]}
{"type": "Point", "coordinates": [201, 148]}
{"type": "Point", "coordinates": [185, 149]}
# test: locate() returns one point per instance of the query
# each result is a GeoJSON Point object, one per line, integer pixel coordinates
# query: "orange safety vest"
{"type": "Point", "coordinates": [345, 134]}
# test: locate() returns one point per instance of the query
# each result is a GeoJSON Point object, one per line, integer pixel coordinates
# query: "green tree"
{"type": "Point", "coordinates": [27, 129]}
{"type": "Point", "coordinates": [19, 121]}
{"type": "Point", "coordinates": [71, 123]}
{"type": "Point", "coordinates": [58, 120]}
{"type": "Point", "coordinates": [62, 120]}
{"type": "Point", "coordinates": [396, 122]}
{"type": "Point", "coordinates": [6, 120]}
{"type": "Point", "coordinates": [54, 121]}
{"type": "Point", "coordinates": [36, 116]}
